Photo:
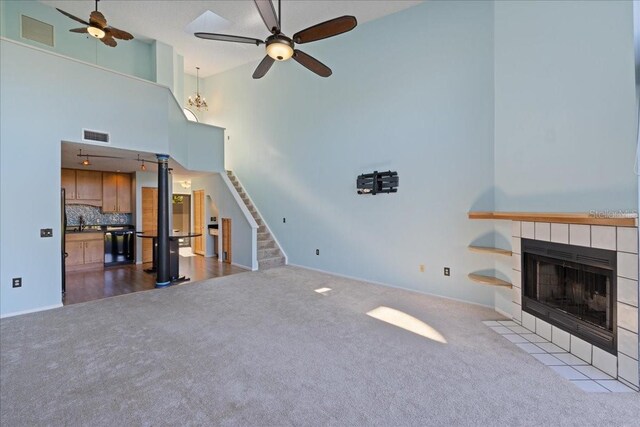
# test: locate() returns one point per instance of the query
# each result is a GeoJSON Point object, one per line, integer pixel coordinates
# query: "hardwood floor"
{"type": "Point", "coordinates": [85, 286]}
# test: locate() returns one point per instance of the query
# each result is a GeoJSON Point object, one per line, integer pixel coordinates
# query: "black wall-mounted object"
{"type": "Point", "coordinates": [377, 182]}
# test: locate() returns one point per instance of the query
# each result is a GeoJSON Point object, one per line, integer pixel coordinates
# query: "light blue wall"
{"type": "Point", "coordinates": [412, 92]}
{"type": "Point", "coordinates": [132, 57]}
{"type": "Point", "coordinates": [136, 114]}
{"type": "Point", "coordinates": [564, 106]}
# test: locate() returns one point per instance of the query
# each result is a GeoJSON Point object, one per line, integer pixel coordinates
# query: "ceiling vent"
{"type": "Point", "coordinates": [95, 136]}
{"type": "Point", "coordinates": [38, 31]}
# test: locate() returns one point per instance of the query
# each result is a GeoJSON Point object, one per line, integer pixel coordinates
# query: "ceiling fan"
{"type": "Point", "coordinates": [280, 47]}
{"type": "Point", "coordinates": [97, 27]}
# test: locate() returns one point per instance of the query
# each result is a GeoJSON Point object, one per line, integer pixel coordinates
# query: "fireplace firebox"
{"type": "Point", "coordinates": [572, 288]}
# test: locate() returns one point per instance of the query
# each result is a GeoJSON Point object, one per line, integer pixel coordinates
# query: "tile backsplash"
{"type": "Point", "coordinates": [93, 216]}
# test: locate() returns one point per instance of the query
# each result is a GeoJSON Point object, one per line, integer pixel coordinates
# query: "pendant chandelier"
{"type": "Point", "coordinates": [199, 102]}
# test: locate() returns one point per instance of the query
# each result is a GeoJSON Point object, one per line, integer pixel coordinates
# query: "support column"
{"type": "Point", "coordinates": [163, 273]}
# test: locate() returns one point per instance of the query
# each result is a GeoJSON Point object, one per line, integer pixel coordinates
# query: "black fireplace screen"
{"type": "Point", "coordinates": [572, 288]}
{"type": "Point", "coordinates": [576, 289]}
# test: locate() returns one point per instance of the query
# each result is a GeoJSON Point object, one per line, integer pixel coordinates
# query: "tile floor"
{"type": "Point", "coordinates": [568, 366]}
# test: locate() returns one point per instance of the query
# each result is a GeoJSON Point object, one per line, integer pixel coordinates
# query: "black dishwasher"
{"type": "Point", "coordinates": [119, 246]}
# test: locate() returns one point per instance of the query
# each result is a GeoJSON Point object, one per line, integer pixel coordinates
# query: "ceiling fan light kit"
{"type": "Point", "coordinates": [96, 32]}
{"type": "Point", "coordinates": [280, 47]}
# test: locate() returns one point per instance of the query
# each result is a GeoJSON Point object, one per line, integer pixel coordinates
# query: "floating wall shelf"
{"type": "Point", "coordinates": [489, 280]}
{"type": "Point", "coordinates": [488, 250]}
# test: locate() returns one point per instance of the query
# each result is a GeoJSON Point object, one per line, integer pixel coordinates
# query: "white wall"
{"type": "Point", "coordinates": [134, 111]}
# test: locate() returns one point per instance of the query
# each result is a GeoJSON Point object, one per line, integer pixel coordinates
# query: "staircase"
{"type": "Point", "coordinates": [269, 253]}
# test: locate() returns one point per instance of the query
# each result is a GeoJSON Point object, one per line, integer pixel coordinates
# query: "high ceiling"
{"type": "Point", "coordinates": [172, 22]}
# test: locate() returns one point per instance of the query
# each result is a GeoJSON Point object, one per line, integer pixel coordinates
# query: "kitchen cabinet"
{"type": "Point", "coordinates": [88, 185]}
{"type": "Point", "coordinates": [82, 186]}
{"type": "Point", "coordinates": [68, 179]}
{"type": "Point", "coordinates": [85, 251]}
{"type": "Point", "coordinates": [116, 192]}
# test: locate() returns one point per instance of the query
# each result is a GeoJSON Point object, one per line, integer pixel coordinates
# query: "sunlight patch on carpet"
{"type": "Point", "coordinates": [405, 321]}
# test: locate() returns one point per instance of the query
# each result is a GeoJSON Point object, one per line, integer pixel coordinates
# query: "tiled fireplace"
{"type": "Point", "coordinates": [599, 321]}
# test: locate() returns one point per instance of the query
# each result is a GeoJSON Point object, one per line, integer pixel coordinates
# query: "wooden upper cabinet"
{"type": "Point", "coordinates": [109, 192]}
{"type": "Point", "coordinates": [69, 183]}
{"type": "Point", "coordinates": [116, 192]}
{"type": "Point", "coordinates": [88, 185]}
{"type": "Point", "coordinates": [124, 192]}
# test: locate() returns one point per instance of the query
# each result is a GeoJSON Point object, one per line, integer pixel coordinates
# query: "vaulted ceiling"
{"type": "Point", "coordinates": [173, 23]}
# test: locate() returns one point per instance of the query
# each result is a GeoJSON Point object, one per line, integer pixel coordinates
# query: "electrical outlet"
{"type": "Point", "coordinates": [46, 232]}
{"type": "Point", "coordinates": [447, 271]}
{"type": "Point", "coordinates": [16, 282]}
{"type": "Point", "coordinates": [284, 220]}
{"type": "Point", "coordinates": [421, 268]}
{"type": "Point", "coordinates": [317, 251]}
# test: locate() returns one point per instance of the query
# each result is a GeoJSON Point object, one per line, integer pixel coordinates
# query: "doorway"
{"type": "Point", "coordinates": [182, 218]}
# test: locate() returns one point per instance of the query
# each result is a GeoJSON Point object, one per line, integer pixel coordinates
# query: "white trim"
{"type": "Point", "coordinates": [264, 221]}
{"type": "Point", "coordinates": [375, 282]}
{"type": "Point", "coordinates": [33, 310]}
{"type": "Point", "coordinates": [244, 267]}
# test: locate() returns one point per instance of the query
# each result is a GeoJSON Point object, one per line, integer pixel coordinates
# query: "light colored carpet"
{"type": "Point", "coordinates": [262, 348]}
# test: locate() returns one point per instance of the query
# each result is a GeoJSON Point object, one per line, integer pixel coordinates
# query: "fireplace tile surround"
{"type": "Point", "coordinates": [624, 240]}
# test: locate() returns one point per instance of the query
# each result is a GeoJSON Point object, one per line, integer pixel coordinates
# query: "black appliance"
{"type": "Point", "coordinates": [119, 246]}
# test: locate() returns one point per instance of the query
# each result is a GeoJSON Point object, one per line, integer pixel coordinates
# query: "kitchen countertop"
{"type": "Point", "coordinates": [74, 229]}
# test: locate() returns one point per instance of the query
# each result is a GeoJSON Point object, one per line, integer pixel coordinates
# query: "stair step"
{"type": "Point", "coordinates": [264, 236]}
{"type": "Point", "coordinates": [262, 229]}
{"type": "Point", "coordinates": [266, 244]}
{"type": "Point", "coordinates": [271, 262]}
{"type": "Point", "coordinates": [268, 253]}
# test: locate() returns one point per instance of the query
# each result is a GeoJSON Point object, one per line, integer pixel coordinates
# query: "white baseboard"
{"type": "Point", "coordinates": [392, 286]}
{"type": "Point", "coordinates": [244, 267]}
{"type": "Point", "coordinates": [33, 310]}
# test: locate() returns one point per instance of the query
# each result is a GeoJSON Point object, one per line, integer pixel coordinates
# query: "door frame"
{"type": "Point", "coordinates": [199, 194]}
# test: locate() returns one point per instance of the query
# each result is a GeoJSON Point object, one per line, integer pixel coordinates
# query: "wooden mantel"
{"type": "Point", "coordinates": [613, 218]}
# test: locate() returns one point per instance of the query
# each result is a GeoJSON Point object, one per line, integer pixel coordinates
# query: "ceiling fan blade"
{"type": "Point", "coordinates": [228, 38]}
{"type": "Point", "coordinates": [311, 63]}
{"type": "Point", "coordinates": [79, 30]}
{"type": "Point", "coordinates": [97, 19]}
{"type": "Point", "coordinates": [263, 67]}
{"type": "Point", "coordinates": [75, 18]}
{"type": "Point", "coordinates": [109, 41]}
{"type": "Point", "coordinates": [268, 14]}
{"type": "Point", "coordinates": [326, 29]}
{"type": "Point", "coordinates": [118, 34]}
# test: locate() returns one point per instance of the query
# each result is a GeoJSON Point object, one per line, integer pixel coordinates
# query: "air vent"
{"type": "Point", "coordinates": [38, 31]}
{"type": "Point", "coordinates": [95, 136]}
